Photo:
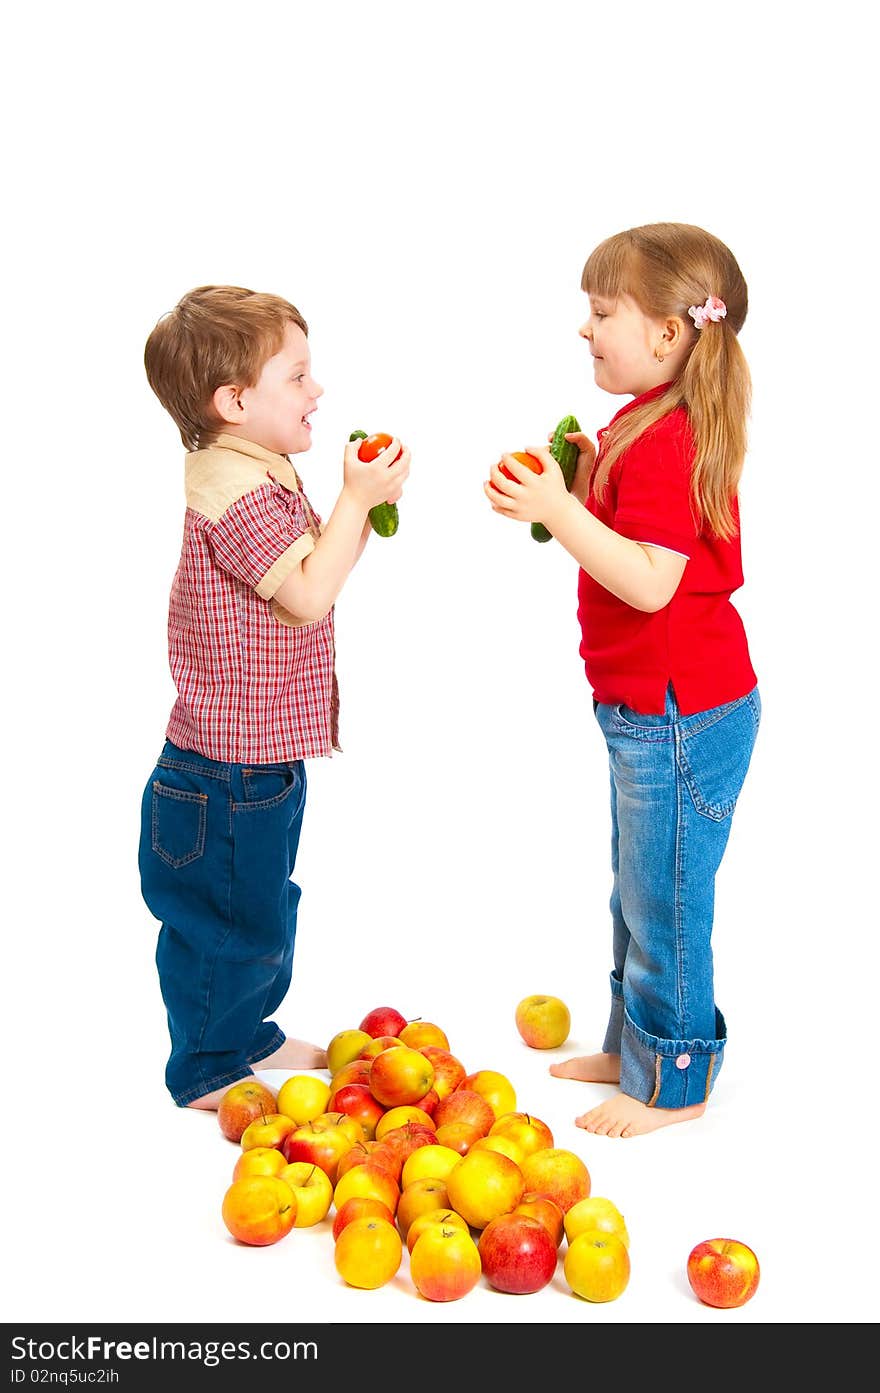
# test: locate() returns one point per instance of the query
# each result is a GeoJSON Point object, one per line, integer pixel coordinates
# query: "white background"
{"type": "Point", "coordinates": [425, 185]}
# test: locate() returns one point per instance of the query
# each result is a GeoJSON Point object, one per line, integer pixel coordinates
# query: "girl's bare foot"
{"type": "Point", "coordinates": [623, 1116]}
{"type": "Point", "coordinates": [209, 1102]}
{"type": "Point", "coordinates": [294, 1054]}
{"type": "Point", "coordinates": [589, 1068]}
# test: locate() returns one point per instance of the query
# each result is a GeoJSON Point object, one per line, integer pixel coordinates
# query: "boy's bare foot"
{"type": "Point", "coordinates": [294, 1054]}
{"type": "Point", "coordinates": [589, 1068]}
{"type": "Point", "coordinates": [623, 1116]}
{"type": "Point", "coordinates": [209, 1102]}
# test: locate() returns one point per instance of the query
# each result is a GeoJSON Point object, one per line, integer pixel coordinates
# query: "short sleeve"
{"type": "Point", "coordinates": [262, 536]}
{"type": "Point", "coordinates": [653, 503]}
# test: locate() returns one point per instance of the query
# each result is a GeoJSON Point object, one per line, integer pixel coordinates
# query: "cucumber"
{"type": "Point", "coordinates": [566, 456]}
{"type": "Point", "coordinates": [384, 518]}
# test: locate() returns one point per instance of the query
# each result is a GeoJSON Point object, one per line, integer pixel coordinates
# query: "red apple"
{"type": "Point", "coordinates": [375, 1045]}
{"type": "Point", "coordinates": [723, 1272]}
{"type": "Point", "coordinates": [323, 1146]}
{"type": "Point", "coordinates": [559, 1173]}
{"type": "Point", "coordinates": [356, 1100]}
{"type": "Point", "coordinates": [242, 1104]}
{"type": "Point", "coordinates": [400, 1075]}
{"type": "Point", "coordinates": [448, 1069]}
{"type": "Point", "coordinates": [517, 1253]}
{"type": "Point", "coordinates": [546, 1211]}
{"type": "Point", "coordinates": [464, 1105]}
{"type": "Point", "coordinates": [383, 1020]}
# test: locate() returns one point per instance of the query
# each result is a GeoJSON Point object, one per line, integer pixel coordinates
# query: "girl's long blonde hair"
{"type": "Point", "coordinates": [666, 268]}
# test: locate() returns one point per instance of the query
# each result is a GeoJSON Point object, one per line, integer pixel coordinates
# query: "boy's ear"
{"type": "Point", "coordinates": [228, 404]}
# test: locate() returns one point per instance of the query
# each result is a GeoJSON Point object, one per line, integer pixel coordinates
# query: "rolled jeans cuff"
{"type": "Point", "coordinates": [669, 1073]}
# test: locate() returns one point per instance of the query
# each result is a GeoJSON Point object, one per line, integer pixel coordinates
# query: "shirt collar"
{"type": "Point", "coordinates": [279, 466]}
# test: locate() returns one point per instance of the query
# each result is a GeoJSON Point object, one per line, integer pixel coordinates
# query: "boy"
{"type": "Point", "coordinates": [251, 650]}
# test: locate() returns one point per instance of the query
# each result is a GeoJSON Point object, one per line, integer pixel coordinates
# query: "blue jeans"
{"type": "Point", "coordinates": [674, 785]}
{"type": "Point", "coordinates": [217, 850]}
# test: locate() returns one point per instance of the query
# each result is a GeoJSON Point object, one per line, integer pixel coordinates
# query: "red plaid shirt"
{"type": "Point", "coordinates": [254, 685]}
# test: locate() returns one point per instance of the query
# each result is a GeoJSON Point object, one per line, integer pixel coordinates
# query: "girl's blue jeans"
{"type": "Point", "coordinates": [217, 851]}
{"type": "Point", "coordinates": [674, 784]}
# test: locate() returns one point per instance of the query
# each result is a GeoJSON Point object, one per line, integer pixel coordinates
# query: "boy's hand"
{"type": "Point", "coordinates": [375, 481]}
{"type": "Point", "coordinates": [586, 459]}
{"type": "Point", "coordinates": [532, 497]}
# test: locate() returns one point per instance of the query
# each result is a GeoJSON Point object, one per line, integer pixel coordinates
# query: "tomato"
{"type": "Point", "coordinates": [374, 445]}
{"type": "Point", "coordinates": [531, 461]}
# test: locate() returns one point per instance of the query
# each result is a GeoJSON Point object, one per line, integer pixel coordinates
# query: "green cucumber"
{"type": "Point", "coordinates": [384, 518]}
{"type": "Point", "coordinates": [565, 454]}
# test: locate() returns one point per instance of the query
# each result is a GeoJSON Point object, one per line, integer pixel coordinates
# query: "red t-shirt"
{"type": "Point", "coordinates": [697, 641]}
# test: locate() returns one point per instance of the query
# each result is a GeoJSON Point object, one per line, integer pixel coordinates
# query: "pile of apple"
{"type": "Point", "coordinates": [410, 1150]}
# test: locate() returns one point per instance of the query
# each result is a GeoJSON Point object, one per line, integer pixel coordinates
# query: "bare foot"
{"type": "Point", "coordinates": [589, 1068]}
{"type": "Point", "coordinates": [294, 1054]}
{"type": "Point", "coordinates": [209, 1102]}
{"type": "Point", "coordinates": [623, 1116]}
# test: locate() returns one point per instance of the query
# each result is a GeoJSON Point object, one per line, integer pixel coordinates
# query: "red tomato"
{"type": "Point", "coordinates": [374, 445]}
{"type": "Point", "coordinates": [529, 460]}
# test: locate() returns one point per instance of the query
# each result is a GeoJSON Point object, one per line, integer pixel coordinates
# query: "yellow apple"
{"type": "Point", "coordinates": [595, 1212]}
{"type": "Point", "coordinates": [496, 1088]}
{"type": "Point", "coordinates": [543, 1021]}
{"type": "Point", "coordinates": [430, 1162]}
{"type": "Point", "coordinates": [271, 1130]}
{"type": "Point", "coordinates": [499, 1141]}
{"type": "Point", "coordinates": [313, 1189]}
{"type": "Point", "coordinates": [399, 1116]}
{"type": "Point", "coordinates": [303, 1097]}
{"type": "Point", "coordinates": [483, 1185]}
{"type": "Point", "coordinates": [444, 1263]}
{"type": "Point", "coordinates": [596, 1265]}
{"type": "Point", "coordinates": [345, 1046]}
{"type": "Point", "coordinates": [527, 1130]}
{"type": "Point", "coordinates": [559, 1173]}
{"type": "Point", "coordinates": [260, 1160]}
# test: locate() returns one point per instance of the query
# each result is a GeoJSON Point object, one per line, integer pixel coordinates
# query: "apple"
{"type": "Point", "coordinates": [260, 1160]}
{"type": "Point", "coordinates": [313, 1189]}
{"type": "Point", "coordinates": [596, 1265]}
{"type": "Point", "coordinates": [384, 1153]}
{"type": "Point", "coordinates": [543, 1022]}
{"type": "Point", "coordinates": [418, 1198]}
{"type": "Point", "coordinates": [460, 1136]}
{"type": "Point", "coordinates": [528, 1131]}
{"type": "Point", "coordinates": [403, 1141]}
{"type": "Point", "coordinates": [483, 1185]}
{"type": "Point", "coordinates": [421, 1033]}
{"type": "Point", "coordinates": [351, 1127]}
{"type": "Point", "coordinates": [559, 1173]}
{"type": "Point", "coordinates": [302, 1097]}
{"type": "Point", "coordinates": [499, 1142]}
{"type": "Point", "coordinates": [259, 1209]}
{"type": "Point", "coordinates": [428, 1219]}
{"type": "Point", "coordinates": [444, 1263]}
{"type": "Point", "coordinates": [355, 1071]}
{"type": "Point", "coordinates": [546, 1211]}
{"type": "Point", "coordinates": [723, 1272]}
{"type": "Point", "coordinates": [359, 1207]}
{"type": "Point", "coordinates": [397, 1117]}
{"type": "Point", "coordinates": [357, 1153]}
{"type": "Point", "coordinates": [356, 1100]}
{"type": "Point", "coordinates": [383, 1020]}
{"type": "Point", "coordinates": [517, 1253]}
{"type": "Point", "coordinates": [400, 1075]}
{"type": "Point", "coordinates": [448, 1069]}
{"type": "Point", "coordinates": [368, 1252]}
{"type": "Point", "coordinates": [496, 1089]}
{"type": "Point", "coordinates": [377, 1045]}
{"type": "Point", "coordinates": [345, 1046]}
{"type": "Point", "coordinates": [367, 1179]}
{"type": "Point", "coordinates": [270, 1130]}
{"type": "Point", "coordinates": [242, 1104]}
{"type": "Point", "coordinates": [428, 1103]}
{"type": "Point", "coordinates": [465, 1105]}
{"type": "Point", "coordinates": [430, 1162]}
{"type": "Point", "coordinates": [322, 1146]}
{"type": "Point", "coordinates": [598, 1213]}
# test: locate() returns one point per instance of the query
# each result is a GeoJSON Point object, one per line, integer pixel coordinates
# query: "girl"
{"type": "Point", "coordinates": [653, 522]}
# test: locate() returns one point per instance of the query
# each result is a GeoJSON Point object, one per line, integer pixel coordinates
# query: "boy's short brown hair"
{"type": "Point", "coordinates": [216, 334]}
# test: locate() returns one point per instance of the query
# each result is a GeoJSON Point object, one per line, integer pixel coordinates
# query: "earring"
{"type": "Point", "coordinates": [658, 355]}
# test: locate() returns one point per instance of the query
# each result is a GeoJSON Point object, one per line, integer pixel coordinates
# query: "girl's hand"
{"type": "Point", "coordinates": [530, 497]}
{"type": "Point", "coordinates": [375, 481]}
{"type": "Point", "coordinates": [584, 467]}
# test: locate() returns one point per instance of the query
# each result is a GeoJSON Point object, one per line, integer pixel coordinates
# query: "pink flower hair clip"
{"type": "Point", "coordinates": [713, 310]}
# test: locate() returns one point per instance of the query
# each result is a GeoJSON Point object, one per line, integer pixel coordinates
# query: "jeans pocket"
{"type": "Point", "coordinates": [714, 753]}
{"type": "Point", "coordinates": [178, 824]}
{"type": "Point", "coordinates": [268, 785]}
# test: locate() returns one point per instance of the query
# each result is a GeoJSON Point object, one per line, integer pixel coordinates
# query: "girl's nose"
{"type": "Point", "coordinates": [585, 331]}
